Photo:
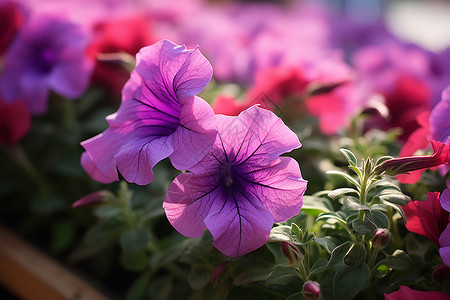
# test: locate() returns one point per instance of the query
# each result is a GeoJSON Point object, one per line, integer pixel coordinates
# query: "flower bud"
{"type": "Point", "coordinates": [403, 165]}
{"type": "Point", "coordinates": [381, 238]}
{"type": "Point", "coordinates": [215, 276]}
{"type": "Point", "coordinates": [292, 253]}
{"type": "Point", "coordinates": [94, 198]}
{"type": "Point", "coordinates": [311, 290]}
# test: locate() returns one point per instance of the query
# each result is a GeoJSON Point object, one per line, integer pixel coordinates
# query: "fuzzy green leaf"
{"type": "Point", "coordinates": [349, 156]}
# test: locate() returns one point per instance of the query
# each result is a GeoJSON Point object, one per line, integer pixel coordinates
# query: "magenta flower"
{"type": "Point", "coordinates": [406, 293]}
{"type": "Point", "coordinates": [242, 186]}
{"type": "Point", "coordinates": [427, 218]}
{"type": "Point", "coordinates": [159, 117]}
{"type": "Point", "coordinates": [47, 54]}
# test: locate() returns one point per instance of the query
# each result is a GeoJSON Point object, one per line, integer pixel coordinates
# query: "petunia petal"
{"type": "Point", "coordinates": [172, 72]}
{"type": "Point", "coordinates": [188, 202]}
{"type": "Point", "coordinates": [98, 160]}
{"type": "Point", "coordinates": [281, 188]}
{"type": "Point", "coordinates": [239, 224]}
{"type": "Point", "coordinates": [256, 135]}
{"type": "Point", "coordinates": [445, 199]}
{"type": "Point", "coordinates": [195, 134]}
{"type": "Point", "coordinates": [137, 157]}
{"type": "Point", "coordinates": [445, 255]}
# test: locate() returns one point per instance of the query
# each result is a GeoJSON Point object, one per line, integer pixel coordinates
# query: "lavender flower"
{"type": "Point", "coordinates": [47, 54]}
{"type": "Point", "coordinates": [242, 186]}
{"type": "Point", "coordinates": [159, 117]}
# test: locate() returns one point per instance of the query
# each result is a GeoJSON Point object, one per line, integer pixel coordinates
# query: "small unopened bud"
{"type": "Point", "coordinates": [381, 238]}
{"type": "Point", "coordinates": [403, 165]}
{"type": "Point", "coordinates": [311, 290]}
{"type": "Point", "coordinates": [292, 253]}
{"type": "Point", "coordinates": [94, 198]}
{"type": "Point", "coordinates": [215, 276]}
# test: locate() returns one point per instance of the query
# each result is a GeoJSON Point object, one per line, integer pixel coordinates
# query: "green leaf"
{"type": "Point", "coordinates": [349, 281]}
{"type": "Point", "coordinates": [199, 277]}
{"type": "Point", "coordinates": [397, 208]}
{"type": "Point", "coordinates": [379, 218]}
{"type": "Point", "coordinates": [134, 261]}
{"type": "Point", "coordinates": [330, 215]}
{"type": "Point", "coordinates": [352, 204]}
{"type": "Point", "coordinates": [381, 159]}
{"type": "Point", "coordinates": [296, 296]}
{"type": "Point", "coordinates": [349, 156]}
{"type": "Point", "coordinates": [381, 271]}
{"type": "Point", "coordinates": [346, 176]}
{"type": "Point", "coordinates": [399, 199]}
{"type": "Point", "coordinates": [398, 261]}
{"type": "Point", "coordinates": [380, 184]}
{"type": "Point", "coordinates": [319, 266]}
{"type": "Point", "coordinates": [282, 275]}
{"type": "Point", "coordinates": [107, 212]}
{"type": "Point", "coordinates": [334, 194]}
{"type": "Point", "coordinates": [135, 240]}
{"type": "Point", "coordinates": [139, 289]}
{"type": "Point", "coordinates": [282, 233]}
{"type": "Point", "coordinates": [356, 255]}
{"type": "Point", "coordinates": [314, 206]}
{"type": "Point", "coordinates": [219, 292]}
{"type": "Point", "coordinates": [338, 254]}
{"type": "Point", "coordinates": [328, 242]}
{"type": "Point", "coordinates": [296, 231]}
{"type": "Point", "coordinates": [250, 270]}
{"type": "Point", "coordinates": [363, 226]}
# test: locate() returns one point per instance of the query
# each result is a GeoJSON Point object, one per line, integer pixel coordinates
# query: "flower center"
{"type": "Point", "coordinates": [46, 59]}
{"type": "Point", "coordinates": [228, 175]}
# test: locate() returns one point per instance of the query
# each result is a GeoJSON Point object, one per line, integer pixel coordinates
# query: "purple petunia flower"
{"type": "Point", "coordinates": [242, 186]}
{"type": "Point", "coordinates": [159, 117]}
{"type": "Point", "coordinates": [49, 53]}
{"type": "Point", "coordinates": [444, 243]}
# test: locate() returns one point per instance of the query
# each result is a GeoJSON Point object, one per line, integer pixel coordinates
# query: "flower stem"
{"type": "Point", "coordinates": [373, 257]}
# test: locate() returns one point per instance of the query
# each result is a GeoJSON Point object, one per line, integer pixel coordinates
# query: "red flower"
{"type": "Point", "coordinates": [405, 102]}
{"type": "Point", "coordinates": [274, 85]}
{"type": "Point", "coordinates": [11, 19]}
{"type": "Point", "coordinates": [406, 293]}
{"type": "Point", "coordinates": [228, 106]}
{"type": "Point", "coordinates": [125, 35]}
{"type": "Point", "coordinates": [427, 218]}
{"type": "Point", "coordinates": [15, 121]}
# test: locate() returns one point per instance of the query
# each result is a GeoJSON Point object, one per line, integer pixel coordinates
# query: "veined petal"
{"type": "Point", "coordinates": [256, 135]}
{"type": "Point", "coordinates": [92, 169]}
{"type": "Point", "coordinates": [172, 72]}
{"type": "Point", "coordinates": [239, 224]}
{"type": "Point", "coordinates": [195, 134]}
{"type": "Point", "coordinates": [137, 157]}
{"type": "Point", "coordinates": [188, 202]}
{"type": "Point", "coordinates": [159, 115]}
{"type": "Point", "coordinates": [280, 187]}
{"type": "Point", "coordinates": [98, 161]}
